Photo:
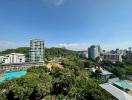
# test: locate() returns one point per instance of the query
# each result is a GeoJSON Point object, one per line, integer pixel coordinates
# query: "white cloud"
{"type": "Point", "coordinates": [84, 46]}
{"type": "Point", "coordinates": [71, 46]}
{"type": "Point", "coordinates": [57, 2]}
{"type": "Point", "coordinates": [53, 3]}
{"type": "Point", "coordinates": [74, 46]}
{"type": "Point", "coordinates": [9, 45]}
{"type": "Point", "coordinates": [110, 46]}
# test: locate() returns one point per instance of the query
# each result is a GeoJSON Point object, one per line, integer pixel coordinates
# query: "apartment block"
{"type": "Point", "coordinates": [13, 58]}
{"type": "Point", "coordinates": [36, 50]}
{"type": "Point", "coordinates": [113, 57]}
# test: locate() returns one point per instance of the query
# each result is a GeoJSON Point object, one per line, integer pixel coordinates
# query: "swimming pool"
{"type": "Point", "coordinates": [123, 84]}
{"type": "Point", "coordinates": [13, 75]}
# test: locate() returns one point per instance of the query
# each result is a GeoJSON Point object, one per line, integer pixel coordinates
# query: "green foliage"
{"type": "Point", "coordinates": [74, 62]}
{"type": "Point", "coordinates": [71, 82]}
{"type": "Point", "coordinates": [50, 53]}
{"type": "Point", "coordinates": [128, 70]}
{"type": "Point", "coordinates": [119, 68]}
{"type": "Point", "coordinates": [39, 70]}
{"type": "Point", "coordinates": [33, 86]}
{"type": "Point", "coordinates": [23, 50]}
{"type": "Point", "coordinates": [98, 71]}
{"type": "Point", "coordinates": [118, 71]}
{"type": "Point", "coordinates": [58, 52]}
{"type": "Point", "coordinates": [92, 94]}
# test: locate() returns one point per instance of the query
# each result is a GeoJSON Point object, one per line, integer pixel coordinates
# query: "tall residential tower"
{"type": "Point", "coordinates": [36, 50]}
{"type": "Point", "coordinates": [94, 52]}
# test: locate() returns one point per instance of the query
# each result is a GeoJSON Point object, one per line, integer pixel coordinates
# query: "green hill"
{"type": "Point", "coordinates": [49, 52]}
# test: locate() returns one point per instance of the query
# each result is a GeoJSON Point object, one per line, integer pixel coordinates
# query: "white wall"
{"type": "Point", "coordinates": [1, 57]}
{"type": "Point", "coordinates": [14, 58]}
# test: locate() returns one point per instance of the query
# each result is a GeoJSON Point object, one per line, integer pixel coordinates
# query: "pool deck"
{"type": "Point", "coordinates": [116, 92]}
{"type": "Point", "coordinates": [123, 84]}
{"type": "Point", "coordinates": [12, 75]}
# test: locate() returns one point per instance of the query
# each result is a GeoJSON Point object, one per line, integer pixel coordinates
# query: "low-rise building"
{"type": "Point", "coordinates": [113, 57]}
{"type": "Point", "coordinates": [13, 58]}
{"type": "Point", "coordinates": [103, 74]}
{"type": "Point", "coordinates": [84, 55]}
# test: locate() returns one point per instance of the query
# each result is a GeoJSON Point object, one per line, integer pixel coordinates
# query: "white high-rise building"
{"type": "Point", "coordinates": [36, 50]}
{"type": "Point", "coordinates": [94, 52]}
{"type": "Point", "coordinates": [13, 58]}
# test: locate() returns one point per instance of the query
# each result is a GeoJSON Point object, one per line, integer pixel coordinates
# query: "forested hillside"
{"type": "Point", "coordinates": [24, 50]}
{"type": "Point", "coordinates": [49, 52]}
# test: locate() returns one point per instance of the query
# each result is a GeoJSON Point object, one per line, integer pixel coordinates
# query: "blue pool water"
{"type": "Point", "coordinates": [13, 75]}
{"type": "Point", "coordinates": [123, 84]}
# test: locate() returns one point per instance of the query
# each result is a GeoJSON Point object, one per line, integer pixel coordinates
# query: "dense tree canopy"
{"type": "Point", "coordinates": [24, 50]}
{"type": "Point", "coordinates": [72, 82]}
{"type": "Point", "coordinates": [119, 68]}
{"type": "Point", "coordinates": [56, 84]}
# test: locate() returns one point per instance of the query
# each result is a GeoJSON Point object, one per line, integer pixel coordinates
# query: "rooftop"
{"type": "Point", "coordinates": [104, 72]}
{"type": "Point", "coordinates": [123, 84]}
{"type": "Point", "coordinates": [119, 94]}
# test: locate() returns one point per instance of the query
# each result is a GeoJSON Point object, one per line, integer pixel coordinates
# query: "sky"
{"type": "Point", "coordinates": [74, 24]}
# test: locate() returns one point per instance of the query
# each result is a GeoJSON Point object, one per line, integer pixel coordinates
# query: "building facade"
{"type": "Point", "coordinates": [13, 58]}
{"type": "Point", "coordinates": [94, 52]}
{"type": "Point", "coordinates": [116, 57]}
{"type": "Point", "coordinates": [36, 50]}
{"type": "Point", "coordinates": [129, 56]}
{"type": "Point", "coordinates": [84, 55]}
{"type": "Point", "coordinates": [1, 58]}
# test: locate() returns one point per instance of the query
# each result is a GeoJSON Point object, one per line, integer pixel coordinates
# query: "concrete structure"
{"type": "Point", "coordinates": [13, 58]}
{"type": "Point", "coordinates": [1, 57]}
{"type": "Point", "coordinates": [104, 75]}
{"type": "Point", "coordinates": [84, 55]}
{"type": "Point", "coordinates": [36, 50]}
{"type": "Point", "coordinates": [112, 57]}
{"type": "Point", "coordinates": [6, 67]}
{"type": "Point", "coordinates": [129, 56]}
{"type": "Point", "coordinates": [129, 77]}
{"type": "Point", "coordinates": [118, 51]}
{"type": "Point", "coordinates": [94, 52]}
{"type": "Point", "coordinates": [116, 92]}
